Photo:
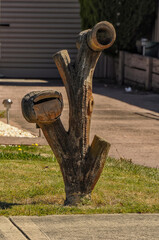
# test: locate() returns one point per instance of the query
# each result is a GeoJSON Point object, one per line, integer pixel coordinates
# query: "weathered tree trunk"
{"type": "Point", "coordinates": [80, 163]}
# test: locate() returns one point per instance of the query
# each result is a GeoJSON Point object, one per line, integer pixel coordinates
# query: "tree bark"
{"type": "Point", "coordinates": [80, 163]}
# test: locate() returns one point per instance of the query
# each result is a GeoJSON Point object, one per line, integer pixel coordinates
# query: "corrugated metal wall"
{"type": "Point", "coordinates": [37, 29]}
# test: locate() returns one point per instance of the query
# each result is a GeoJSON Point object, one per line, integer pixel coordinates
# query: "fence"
{"type": "Point", "coordinates": [105, 68]}
{"type": "Point", "coordinates": [135, 69]}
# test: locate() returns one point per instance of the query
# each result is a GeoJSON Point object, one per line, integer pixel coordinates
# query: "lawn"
{"type": "Point", "coordinates": [31, 184]}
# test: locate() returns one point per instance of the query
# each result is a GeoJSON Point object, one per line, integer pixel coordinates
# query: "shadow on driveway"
{"type": "Point", "coordinates": [142, 99]}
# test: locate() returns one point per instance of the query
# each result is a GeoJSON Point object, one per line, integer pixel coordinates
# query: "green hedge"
{"type": "Point", "coordinates": [132, 20]}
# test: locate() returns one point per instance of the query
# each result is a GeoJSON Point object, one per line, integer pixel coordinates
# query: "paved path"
{"type": "Point", "coordinates": [130, 122]}
{"type": "Point", "coordinates": [81, 227]}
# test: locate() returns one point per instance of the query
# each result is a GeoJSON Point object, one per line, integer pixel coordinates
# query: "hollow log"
{"type": "Point", "coordinates": [80, 163]}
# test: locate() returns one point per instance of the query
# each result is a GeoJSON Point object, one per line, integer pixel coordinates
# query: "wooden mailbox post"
{"type": "Point", "coordinates": [81, 164]}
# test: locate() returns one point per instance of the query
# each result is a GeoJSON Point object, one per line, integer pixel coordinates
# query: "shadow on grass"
{"type": "Point", "coordinates": [5, 205]}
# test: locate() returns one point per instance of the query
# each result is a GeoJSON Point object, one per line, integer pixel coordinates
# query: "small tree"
{"type": "Point", "coordinates": [80, 163]}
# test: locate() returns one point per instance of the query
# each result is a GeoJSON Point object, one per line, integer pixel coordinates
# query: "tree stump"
{"type": "Point", "coordinates": [80, 163]}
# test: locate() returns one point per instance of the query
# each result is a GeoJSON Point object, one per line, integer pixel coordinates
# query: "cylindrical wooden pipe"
{"type": "Point", "coordinates": [101, 36]}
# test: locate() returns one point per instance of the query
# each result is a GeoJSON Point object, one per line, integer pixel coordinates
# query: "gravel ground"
{"type": "Point", "coordinates": [7, 130]}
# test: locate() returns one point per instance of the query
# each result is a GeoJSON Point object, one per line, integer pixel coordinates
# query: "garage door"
{"type": "Point", "coordinates": [31, 31]}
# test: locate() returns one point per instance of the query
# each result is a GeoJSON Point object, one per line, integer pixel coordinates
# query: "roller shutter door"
{"type": "Point", "coordinates": [31, 31]}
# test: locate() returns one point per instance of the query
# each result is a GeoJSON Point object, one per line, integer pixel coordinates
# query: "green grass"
{"type": "Point", "coordinates": [31, 184]}
{"type": "Point", "coordinates": [2, 114]}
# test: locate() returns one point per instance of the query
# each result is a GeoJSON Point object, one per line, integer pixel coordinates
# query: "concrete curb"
{"type": "Point", "coordinates": [90, 227]}
{"type": "Point", "coordinates": [8, 231]}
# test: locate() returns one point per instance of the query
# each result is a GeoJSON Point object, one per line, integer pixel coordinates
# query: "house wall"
{"type": "Point", "coordinates": [37, 29]}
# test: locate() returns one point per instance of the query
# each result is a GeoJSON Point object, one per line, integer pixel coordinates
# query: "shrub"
{"type": "Point", "coordinates": [132, 20]}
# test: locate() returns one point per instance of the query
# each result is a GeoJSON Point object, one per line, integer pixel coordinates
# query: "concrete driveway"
{"type": "Point", "coordinates": [129, 121]}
